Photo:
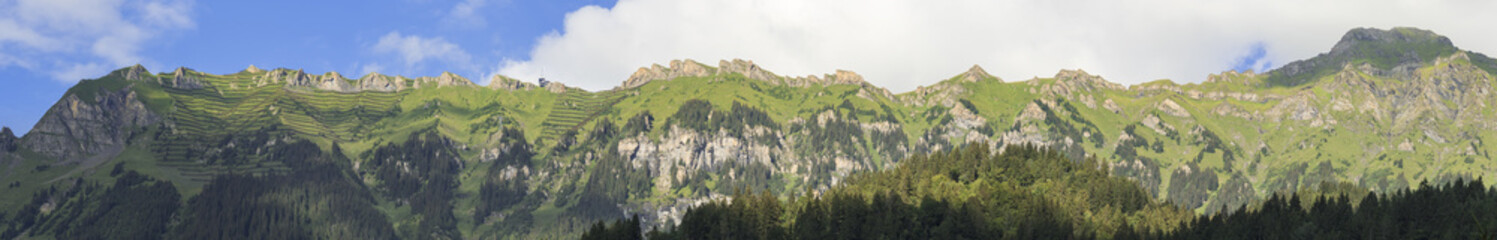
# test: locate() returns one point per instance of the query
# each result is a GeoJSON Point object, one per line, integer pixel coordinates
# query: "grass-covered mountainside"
{"type": "Point", "coordinates": [1029, 193]}
{"type": "Point", "coordinates": [300, 155]}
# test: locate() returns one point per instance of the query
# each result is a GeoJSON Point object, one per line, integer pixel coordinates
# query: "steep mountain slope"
{"type": "Point", "coordinates": [444, 158]}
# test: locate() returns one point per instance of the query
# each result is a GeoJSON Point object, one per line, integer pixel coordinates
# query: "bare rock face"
{"type": "Point", "coordinates": [556, 87]}
{"type": "Point", "coordinates": [332, 81]}
{"type": "Point", "coordinates": [253, 69]}
{"type": "Point", "coordinates": [976, 73]}
{"type": "Point", "coordinates": [183, 78]}
{"type": "Point", "coordinates": [748, 69]}
{"type": "Point", "coordinates": [135, 73]}
{"type": "Point", "coordinates": [1170, 107]}
{"type": "Point", "coordinates": [1082, 81]}
{"type": "Point", "coordinates": [844, 77]}
{"type": "Point", "coordinates": [447, 79]}
{"type": "Point", "coordinates": [380, 83]}
{"type": "Point", "coordinates": [502, 82]}
{"type": "Point", "coordinates": [77, 127]}
{"type": "Point", "coordinates": [8, 140]}
{"type": "Point", "coordinates": [290, 78]}
{"type": "Point", "coordinates": [677, 69]}
{"type": "Point", "coordinates": [682, 151]}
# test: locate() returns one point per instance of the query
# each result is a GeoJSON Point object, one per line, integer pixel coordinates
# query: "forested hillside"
{"type": "Point", "coordinates": [378, 156]}
{"type": "Point", "coordinates": [1029, 193]}
{"type": "Point", "coordinates": [967, 193]}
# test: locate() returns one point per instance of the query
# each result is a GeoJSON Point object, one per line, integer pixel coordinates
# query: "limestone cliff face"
{"type": "Point", "coordinates": [78, 127]}
{"type": "Point", "coordinates": [507, 83]}
{"type": "Point", "coordinates": [677, 69]}
{"type": "Point", "coordinates": [375, 82]}
{"type": "Point", "coordinates": [8, 140]}
{"type": "Point", "coordinates": [446, 79]}
{"type": "Point", "coordinates": [381, 83]}
{"type": "Point", "coordinates": [682, 152]}
{"type": "Point", "coordinates": [691, 68]}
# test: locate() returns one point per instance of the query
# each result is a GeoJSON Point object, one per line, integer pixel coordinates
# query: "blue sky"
{"type": "Point", "coordinates": [227, 36]}
{"type": "Point", "coordinates": [48, 45]}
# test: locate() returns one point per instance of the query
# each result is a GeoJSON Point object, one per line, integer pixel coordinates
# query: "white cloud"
{"type": "Point", "coordinates": [413, 51]}
{"type": "Point", "coordinates": [168, 15]}
{"type": "Point", "coordinates": [901, 44]}
{"type": "Point", "coordinates": [81, 71]}
{"type": "Point", "coordinates": [465, 14]}
{"type": "Point", "coordinates": [76, 39]}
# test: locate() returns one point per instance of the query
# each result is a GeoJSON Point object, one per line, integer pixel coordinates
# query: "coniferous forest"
{"type": "Point", "coordinates": [1035, 193]}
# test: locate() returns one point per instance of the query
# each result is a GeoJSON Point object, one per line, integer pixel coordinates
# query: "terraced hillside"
{"type": "Point", "coordinates": [441, 157]}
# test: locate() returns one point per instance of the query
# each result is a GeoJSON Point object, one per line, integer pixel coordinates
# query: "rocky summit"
{"type": "Point", "coordinates": [441, 157]}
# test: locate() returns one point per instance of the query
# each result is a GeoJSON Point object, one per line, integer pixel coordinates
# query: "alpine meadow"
{"type": "Point", "coordinates": [1382, 136]}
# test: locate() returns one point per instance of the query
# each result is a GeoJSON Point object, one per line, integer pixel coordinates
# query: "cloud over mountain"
{"type": "Point", "coordinates": [902, 44]}
{"type": "Point", "coordinates": [73, 39]}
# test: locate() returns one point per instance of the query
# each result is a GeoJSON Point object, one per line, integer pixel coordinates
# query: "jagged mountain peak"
{"type": "Point", "coordinates": [7, 140]}
{"type": "Point", "coordinates": [678, 68]}
{"type": "Point", "coordinates": [509, 83]}
{"type": "Point", "coordinates": [845, 77]}
{"type": "Point", "coordinates": [184, 78]}
{"type": "Point", "coordinates": [1401, 47]}
{"type": "Point", "coordinates": [976, 73]}
{"type": "Point", "coordinates": [446, 79]}
{"type": "Point", "coordinates": [132, 73]}
{"type": "Point", "coordinates": [181, 71]}
{"type": "Point", "coordinates": [747, 68]}
{"type": "Point", "coordinates": [1081, 78]}
{"type": "Point", "coordinates": [253, 69]}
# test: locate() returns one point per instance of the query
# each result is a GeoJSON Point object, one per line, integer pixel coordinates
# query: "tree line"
{"type": "Point", "coordinates": [1027, 192]}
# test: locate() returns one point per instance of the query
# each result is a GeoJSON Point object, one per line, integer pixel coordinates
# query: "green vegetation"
{"type": "Point", "coordinates": [1459, 210]}
{"type": "Point", "coordinates": [967, 193]}
{"type": "Point", "coordinates": [463, 161]}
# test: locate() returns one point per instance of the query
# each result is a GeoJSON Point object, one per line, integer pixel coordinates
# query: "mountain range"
{"type": "Point", "coordinates": [441, 157]}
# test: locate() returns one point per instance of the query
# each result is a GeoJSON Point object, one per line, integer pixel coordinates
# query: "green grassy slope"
{"type": "Point", "coordinates": [539, 162]}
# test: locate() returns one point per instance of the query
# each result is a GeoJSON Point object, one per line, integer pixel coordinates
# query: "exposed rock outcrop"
{"type": "Point", "coordinates": [677, 69]}
{"type": "Point", "coordinates": [681, 152]}
{"type": "Point", "coordinates": [1079, 80]}
{"type": "Point", "coordinates": [135, 73]}
{"type": "Point", "coordinates": [976, 73]}
{"type": "Point", "coordinates": [285, 76]}
{"type": "Point", "coordinates": [183, 78]}
{"type": "Point", "coordinates": [691, 68]}
{"type": "Point", "coordinates": [253, 69]}
{"type": "Point", "coordinates": [748, 69]}
{"type": "Point", "coordinates": [77, 127]}
{"type": "Point", "coordinates": [332, 81]}
{"type": "Point", "coordinates": [502, 82]}
{"type": "Point", "coordinates": [8, 140]}
{"type": "Point", "coordinates": [555, 87]}
{"type": "Point", "coordinates": [1170, 107]}
{"type": "Point", "coordinates": [380, 83]}
{"type": "Point", "coordinates": [447, 79]}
